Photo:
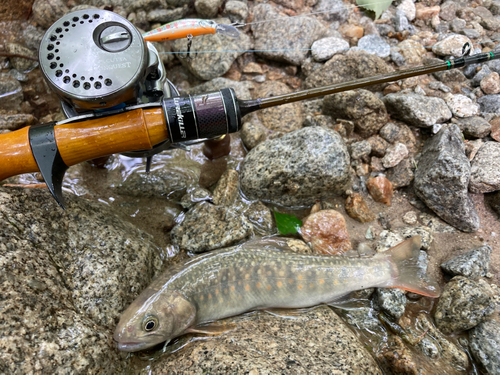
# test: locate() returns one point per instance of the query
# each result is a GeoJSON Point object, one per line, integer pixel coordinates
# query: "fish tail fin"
{"type": "Point", "coordinates": [407, 273]}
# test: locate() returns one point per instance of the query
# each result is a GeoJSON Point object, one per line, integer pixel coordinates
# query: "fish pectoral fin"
{"type": "Point", "coordinates": [212, 329]}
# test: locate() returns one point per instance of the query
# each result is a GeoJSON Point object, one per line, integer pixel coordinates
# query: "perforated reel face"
{"type": "Point", "coordinates": [93, 58]}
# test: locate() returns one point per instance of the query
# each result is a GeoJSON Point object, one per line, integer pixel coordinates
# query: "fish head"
{"type": "Point", "coordinates": [154, 317]}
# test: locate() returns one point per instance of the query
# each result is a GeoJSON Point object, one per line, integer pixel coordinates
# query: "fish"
{"type": "Point", "coordinates": [189, 28]}
{"type": "Point", "coordinates": [261, 274]}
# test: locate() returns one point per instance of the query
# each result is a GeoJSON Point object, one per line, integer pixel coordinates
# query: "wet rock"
{"type": "Point", "coordinates": [167, 15]}
{"type": "Point", "coordinates": [46, 12]}
{"type": "Point", "coordinates": [451, 46]}
{"type": "Point", "coordinates": [261, 218]}
{"type": "Point", "coordinates": [491, 83]}
{"type": "Point", "coordinates": [342, 68]}
{"type": "Point", "coordinates": [207, 227]}
{"type": "Point", "coordinates": [160, 183]}
{"type": "Point", "coordinates": [195, 195]}
{"type": "Point", "coordinates": [380, 189]}
{"type": "Point", "coordinates": [33, 36]}
{"type": "Point", "coordinates": [473, 264]}
{"type": "Point", "coordinates": [252, 133]}
{"type": "Point", "coordinates": [464, 304]}
{"type": "Point", "coordinates": [394, 155]}
{"type": "Point", "coordinates": [324, 49]}
{"type": "Point", "coordinates": [442, 179]}
{"type": "Point", "coordinates": [265, 343]}
{"type": "Point", "coordinates": [362, 107]}
{"type": "Point", "coordinates": [11, 93]}
{"type": "Point", "coordinates": [418, 110]}
{"type": "Point", "coordinates": [374, 44]}
{"type": "Point", "coordinates": [208, 66]}
{"type": "Point", "coordinates": [226, 190]}
{"type": "Point", "coordinates": [20, 63]}
{"type": "Point", "coordinates": [392, 301]}
{"type": "Point", "coordinates": [207, 8]}
{"type": "Point", "coordinates": [236, 11]}
{"type": "Point", "coordinates": [360, 150]}
{"type": "Point", "coordinates": [290, 46]}
{"type": "Point", "coordinates": [285, 118]}
{"type": "Point", "coordinates": [473, 127]}
{"type": "Point", "coordinates": [326, 232]}
{"type": "Point", "coordinates": [68, 274]}
{"type": "Point", "coordinates": [357, 208]}
{"type": "Point", "coordinates": [401, 175]}
{"type": "Point", "coordinates": [485, 169]}
{"type": "Point", "coordinates": [489, 104]}
{"type": "Point", "coordinates": [281, 170]}
{"type": "Point", "coordinates": [399, 358]}
{"type": "Point", "coordinates": [485, 345]}
{"type": "Point", "coordinates": [387, 240]}
{"type": "Point", "coordinates": [14, 122]}
{"type": "Point", "coordinates": [241, 89]}
{"type": "Point", "coordinates": [461, 105]}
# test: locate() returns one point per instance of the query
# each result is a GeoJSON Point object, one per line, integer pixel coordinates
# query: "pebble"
{"type": "Point", "coordinates": [461, 105]}
{"type": "Point", "coordinates": [326, 232]}
{"type": "Point", "coordinates": [442, 179]}
{"type": "Point", "coordinates": [253, 133]}
{"type": "Point", "coordinates": [380, 189]}
{"type": "Point", "coordinates": [261, 218]}
{"type": "Point", "coordinates": [489, 104]}
{"type": "Point", "coordinates": [356, 207]}
{"type": "Point", "coordinates": [394, 155]}
{"type": "Point", "coordinates": [14, 122]}
{"type": "Point", "coordinates": [400, 21]}
{"type": "Point", "coordinates": [485, 345]}
{"type": "Point", "coordinates": [412, 51]}
{"type": "Point", "coordinates": [473, 127]}
{"type": "Point", "coordinates": [451, 46]}
{"type": "Point", "coordinates": [236, 11]}
{"type": "Point", "coordinates": [472, 147]}
{"type": "Point", "coordinates": [392, 301]}
{"type": "Point", "coordinates": [227, 188]}
{"type": "Point", "coordinates": [425, 234]}
{"type": "Point", "coordinates": [473, 264]}
{"type": "Point", "coordinates": [448, 11]}
{"type": "Point", "coordinates": [495, 129]}
{"type": "Point", "coordinates": [485, 169]}
{"type": "Point", "coordinates": [195, 195]}
{"type": "Point", "coordinates": [491, 83]}
{"type": "Point", "coordinates": [402, 174]}
{"type": "Point", "coordinates": [374, 44]}
{"type": "Point", "coordinates": [464, 303]}
{"type": "Point", "coordinates": [410, 218]}
{"type": "Point", "coordinates": [207, 227]}
{"type": "Point", "coordinates": [408, 7]}
{"type": "Point", "coordinates": [279, 170]}
{"type": "Point", "coordinates": [378, 145]}
{"type": "Point", "coordinates": [324, 49]}
{"type": "Point", "coordinates": [417, 110]}
{"type": "Point", "coordinates": [360, 150]}
{"type": "Point", "coordinates": [207, 8]}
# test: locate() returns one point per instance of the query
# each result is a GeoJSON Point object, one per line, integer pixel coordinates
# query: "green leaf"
{"type": "Point", "coordinates": [377, 6]}
{"type": "Point", "coordinates": [287, 224]}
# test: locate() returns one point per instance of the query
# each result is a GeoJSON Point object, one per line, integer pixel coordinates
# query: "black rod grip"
{"type": "Point", "coordinates": [202, 116]}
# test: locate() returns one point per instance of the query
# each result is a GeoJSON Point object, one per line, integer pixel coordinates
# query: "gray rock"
{"type": "Point", "coordinates": [458, 26]}
{"type": "Point", "coordinates": [378, 145]}
{"type": "Point", "coordinates": [471, 33]}
{"type": "Point", "coordinates": [394, 155]}
{"type": "Point", "coordinates": [392, 301]}
{"type": "Point", "coordinates": [360, 150]}
{"type": "Point", "coordinates": [473, 127]}
{"type": "Point", "coordinates": [207, 227]}
{"type": "Point", "coordinates": [448, 10]}
{"type": "Point", "coordinates": [451, 45]}
{"type": "Point", "coordinates": [479, 76]}
{"type": "Point", "coordinates": [284, 118]}
{"type": "Point", "coordinates": [261, 218]}
{"type": "Point", "coordinates": [298, 168]}
{"type": "Point", "coordinates": [68, 274]}
{"type": "Point", "coordinates": [425, 235]}
{"type": "Point", "coordinates": [489, 104]}
{"type": "Point", "coordinates": [135, 5]}
{"type": "Point", "coordinates": [324, 49]}
{"type": "Point", "coordinates": [399, 133]}
{"type": "Point", "coordinates": [342, 68]}
{"type": "Point", "coordinates": [461, 106]}
{"type": "Point", "coordinates": [226, 190]}
{"type": "Point", "coordinates": [21, 77]}
{"type": "Point", "coordinates": [241, 89]}
{"type": "Point", "coordinates": [32, 37]}
{"type": "Point", "coordinates": [485, 169]}
{"type": "Point", "coordinates": [46, 12]}
{"type": "Point", "coordinates": [264, 343]}
{"type": "Point", "coordinates": [417, 110]}
{"type": "Point", "coordinates": [11, 93]}
{"type": "Point", "coordinates": [252, 133]}
{"type": "Point", "coordinates": [436, 85]}
{"type": "Point", "coordinates": [362, 107]}
{"type": "Point", "coordinates": [485, 345]}
{"type": "Point", "coordinates": [402, 174]}
{"type": "Point", "coordinates": [442, 179]}
{"type": "Point", "coordinates": [195, 195]}
{"type": "Point", "coordinates": [397, 58]}
{"type": "Point", "coordinates": [167, 15]}
{"type": "Point", "coordinates": [409, 9]}
{"type": "Point", "coordinates": [290, 46]}
{"type": "Point", "coordinates": [14, 122]}
{"type": "Point", "coordinates": [333, 11]}
{"type": "Point", "coordinates": [375, 45]}
{"type": "Point", "coordinates": [208, 66]}
{"type": "Point", "coordinates": [387, 240]}
{"type": "Point", "coordinates": [494, 201]}
{"type": "Point", "coordinates": [488, 21]}
{"type": "Point", "coordinates": [236, 11]}
{"type": "Point", "coordinates": [207, 8]}
{"type": "Point", "coordinates": [464, 303]}
{"type": "Point", "coordinates": [318, 120]}
{"type": "Point", "coordinates": [473, 264]}
{"type": "Point", "coordinates": [400, 21]}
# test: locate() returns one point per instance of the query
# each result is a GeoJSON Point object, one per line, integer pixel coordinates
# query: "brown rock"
{"type": "Point", "coordinates": [391, 89]}
{"type": "Point", "coordinates": [376, 164]}
{"type": "Point", "coordinates": [380, 189]}
{"type": "Point", "coordinates": [253, 67]}
{"type": "Point", "coordinates": [491, 83]}
{"type": "Point", "coordinates": [356, 207]}
{"type": "Point", "coordinates": [226, 189]}
{"type": "Point", "coordinates": [379, 145]}
{"type": "Point", "coordinates": [495, 129]}
{"type": "Point", "coordinates": [426, 13]}
{"type": "Point", "coordinates": [326, 231]}
{"type": "Point", "coordinates": [351, 31]}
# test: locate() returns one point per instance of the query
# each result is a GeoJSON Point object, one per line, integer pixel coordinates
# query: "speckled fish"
{"type": "Point", "coordinates": [189, 27]}
{"type": "Point", "coordinates": [258, 275]}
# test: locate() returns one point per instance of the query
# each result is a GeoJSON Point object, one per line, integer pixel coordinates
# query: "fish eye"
{"type": "Point", "coordinates": [150, 323]}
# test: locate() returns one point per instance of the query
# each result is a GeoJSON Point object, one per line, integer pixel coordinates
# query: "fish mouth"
{"type": "Point", "coordinates": [130, 346]}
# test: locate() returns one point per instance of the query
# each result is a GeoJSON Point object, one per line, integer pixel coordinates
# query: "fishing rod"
{"type": "Point", "coordinates": [114, 92]}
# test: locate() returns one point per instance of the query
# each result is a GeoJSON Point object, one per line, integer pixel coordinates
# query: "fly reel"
{"type": "Point", "coordinates": [96, 62]}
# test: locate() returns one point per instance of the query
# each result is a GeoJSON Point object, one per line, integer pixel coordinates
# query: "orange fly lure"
{"type": "Point", "coordinates": [189, 28]}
